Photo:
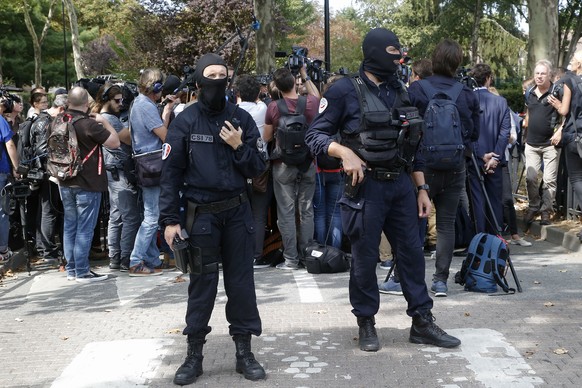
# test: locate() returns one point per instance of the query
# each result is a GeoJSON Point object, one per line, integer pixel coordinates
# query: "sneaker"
{"type": "Point", "coordinates": [143, 270]}
{"type": "Point", "coordinates": [545, 219]}
{"type": "Point", "coordinates": [71, 277]}
{"type": "Point", "coordinates": [124, 266]}
{"type": "Point", "coordinates": [529, 217]}
{"type": "Point", "coordinates": [386, 265]}
{"type": "Point", "coordinates": [261, 263]}
{"type": "Point", "coordinates": [91, 277]}
{"type": "Point", "coordinates": [287, 265]}
{"type": "Point", "coordinates": [439, 288]}
{"type": "Point", "coordinates": [425, 331]}
{"type": "Point", "coordinates": [5, 256]}
{"type": "Point", "coordinates": [521, 242]}
{"type": "Point", "coordinates": [390, 287]}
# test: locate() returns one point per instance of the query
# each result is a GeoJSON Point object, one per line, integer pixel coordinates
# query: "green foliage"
{"type": "Point", "coordinates": [514, 97]}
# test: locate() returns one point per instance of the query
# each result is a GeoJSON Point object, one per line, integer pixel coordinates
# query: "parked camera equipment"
{"type": "Point", "coordinates": [7, 98]}
{"type": "Point", "coordinates": [464, 78]}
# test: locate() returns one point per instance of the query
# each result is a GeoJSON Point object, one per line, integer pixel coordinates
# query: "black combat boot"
{"type": "Point", "coordinates": [115, 261]}
{"type": "Point", "coordinates": [189, 371]}
{"type": "Point", "coordinates": [425, 331]}
{"type": "Point", "coordinates": [368, 338]}
{"type": "Point", "coordinates": [245, 359]}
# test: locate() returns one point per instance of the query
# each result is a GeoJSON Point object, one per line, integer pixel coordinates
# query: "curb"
{"type": "Point", "coordinates": [555, 235]}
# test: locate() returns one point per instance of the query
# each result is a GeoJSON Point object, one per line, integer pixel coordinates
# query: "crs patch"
{"type": "Point", "coordinates": [322, 105]}
{"type": "Point", "coordinates": [166, 149]}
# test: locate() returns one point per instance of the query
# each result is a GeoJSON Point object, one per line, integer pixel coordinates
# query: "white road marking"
{"type": "Point", "coordinates": [492, 359]}
{"type": "Point", "coordinates": [308, 290]}
{"type": "Point", "coordinates": [119, 364]}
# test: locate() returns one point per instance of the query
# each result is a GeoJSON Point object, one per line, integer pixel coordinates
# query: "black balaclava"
{"type": "Point", "coordinates": [376, 60]}
{"type": "Point", "coordinates": [212, 94]}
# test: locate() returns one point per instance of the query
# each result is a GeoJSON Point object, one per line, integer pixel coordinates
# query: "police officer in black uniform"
{"type": "Point", "coordinates": [210, 151]}
{"type": "Point", "coordinates": [379, 193]}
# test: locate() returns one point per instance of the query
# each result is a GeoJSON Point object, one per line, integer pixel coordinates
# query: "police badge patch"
{"type": "Point", "coordinates": [322, 105]}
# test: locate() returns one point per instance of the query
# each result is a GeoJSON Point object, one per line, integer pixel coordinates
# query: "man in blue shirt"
{"type": "Point", "coordinates": [8, 163]}
{"type": "Point", "coordinates": [148, 132]}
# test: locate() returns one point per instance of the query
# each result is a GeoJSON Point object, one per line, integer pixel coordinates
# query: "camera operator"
{"type": "Point", "coordinates": [124, 214]}
{"type": "Point", "coordinates": [8, 165]}
{"type": "Point", "coordinates": [47, 196]}
{"type": "Point", "coordinates": [302, 80]}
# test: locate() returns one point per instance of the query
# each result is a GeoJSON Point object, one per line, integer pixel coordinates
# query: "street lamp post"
{"type": "Point", "coordinates": [326, 33]}
{"type": "Point", "coordinates": [65, 46]}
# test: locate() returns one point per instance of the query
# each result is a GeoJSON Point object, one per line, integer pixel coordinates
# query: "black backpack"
{"type": "Point", "coordinates": [290, 135]}
{"type": "Point", "coordinates": [24, 147]}
{"type": "Point", "coordinates": [442, 143]}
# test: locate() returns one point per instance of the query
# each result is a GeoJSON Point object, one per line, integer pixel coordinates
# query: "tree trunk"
{"type": "Point", "coordinates": [36, 41]}
{"type": "Point", "coordinates": [265, 37]}
{"type": "Point", "coordinates": [543, 32]}
{"type": "Point", "coordinates": [478, 15]}
{"type": "Point", "coordinates": [75, 39]}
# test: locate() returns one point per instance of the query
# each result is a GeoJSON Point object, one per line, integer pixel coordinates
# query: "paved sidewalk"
{"type": "Point", "coordinates": [126, 332]}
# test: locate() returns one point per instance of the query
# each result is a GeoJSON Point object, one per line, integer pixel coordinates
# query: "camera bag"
{"type": "Point", "coordinates": [320, 258]}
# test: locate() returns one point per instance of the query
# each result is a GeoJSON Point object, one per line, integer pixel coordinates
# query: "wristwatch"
{"type": "Point", "coordinates": [308, 78]}
{"type": "Point", "coordinates": [423, 187]}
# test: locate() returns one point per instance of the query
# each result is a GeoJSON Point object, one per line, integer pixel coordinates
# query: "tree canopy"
{"type": "Point", "coordinates": [124, 36]}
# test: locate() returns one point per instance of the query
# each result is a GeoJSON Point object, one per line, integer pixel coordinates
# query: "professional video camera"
{"type": "Point", "coordinates": [298, 58]}
{"type": "Point", "coordinates": [464, 78]}
{"type": "Point", "coordinates": [7, 98]}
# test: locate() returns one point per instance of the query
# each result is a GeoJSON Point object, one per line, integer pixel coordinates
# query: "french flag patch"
{"type": "Point", "coordinates": [166, 148]}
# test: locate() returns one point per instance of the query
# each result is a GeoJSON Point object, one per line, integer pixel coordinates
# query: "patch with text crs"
{"type": "Point", "coordinates": [201, 138]}
{"type": "Point", "coordinates": [166, 149]}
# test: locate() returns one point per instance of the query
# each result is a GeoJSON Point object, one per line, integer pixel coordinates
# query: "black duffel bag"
{"type": "Point", "coordinates": [320, 258]}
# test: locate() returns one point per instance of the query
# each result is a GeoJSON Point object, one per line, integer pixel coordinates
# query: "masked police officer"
{"type": "Point", "coordinates": [210, 151]}
{"type": "Point", "coordinates": [379, 193]}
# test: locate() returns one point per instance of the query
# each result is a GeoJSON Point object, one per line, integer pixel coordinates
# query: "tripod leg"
{"type": "Point", "coordinates": [514, 274]}
{"type": "Point", "coordinates": [390, 270]}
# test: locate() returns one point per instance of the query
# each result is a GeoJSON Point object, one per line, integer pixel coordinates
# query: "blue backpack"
{"type": "Point", "coordinates": [442, 143]}
{"type": "Point", "coordinates": [486, 265]}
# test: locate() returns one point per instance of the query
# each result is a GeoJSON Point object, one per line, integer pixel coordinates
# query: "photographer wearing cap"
{"type": "Point", "coordinates": [210, 152]}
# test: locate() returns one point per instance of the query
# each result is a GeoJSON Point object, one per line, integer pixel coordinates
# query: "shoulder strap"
{"type": "Point", "coordinates": [282, 106]}
{"type": "Point", "coordinates": [528, 93]}
{"type": "Point", "coordinates": [301, 105]}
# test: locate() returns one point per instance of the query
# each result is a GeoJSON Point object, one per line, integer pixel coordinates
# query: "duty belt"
{"type": "Point", "coordinates": [384, 174]}
{"type": "Point", "coordinates": [220, 206]}
{"type": "Point", "coordinates": [213, 207]}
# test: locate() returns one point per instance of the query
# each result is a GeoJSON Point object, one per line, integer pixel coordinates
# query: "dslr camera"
{"type": "Point", "coordinates": [558, 91]}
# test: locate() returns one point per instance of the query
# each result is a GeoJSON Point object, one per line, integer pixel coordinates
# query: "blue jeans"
{"type": "Point", "coordinates": [81, 210]}
{"type": "Point", "coordinates": [124, 215]}
{"type": "Point", "coordinates": [4, 217]}
{"type": "Point", "coordinates": [329, 187]}
{"type": "Point", "coordinates": [145, 248]}
{"type": "Point", "coordinates": [294, 188]}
